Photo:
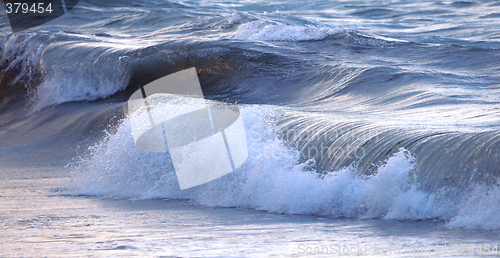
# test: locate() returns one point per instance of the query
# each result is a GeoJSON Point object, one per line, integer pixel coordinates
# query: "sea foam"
{"type": "Point", "coordinates": [275, 179]}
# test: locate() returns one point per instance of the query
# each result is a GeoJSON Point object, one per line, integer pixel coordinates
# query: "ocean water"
{"type": "Point", "coordinates": [371, 124]}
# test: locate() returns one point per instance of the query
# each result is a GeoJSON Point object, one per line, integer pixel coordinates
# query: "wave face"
{"type": "Point", "coordinates": [377, 110]}
{"type": "Point", "coordinates": [274, 179]}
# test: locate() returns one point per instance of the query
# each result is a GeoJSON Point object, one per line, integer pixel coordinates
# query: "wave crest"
{"type": "Point", "coordinates": [275, 180]}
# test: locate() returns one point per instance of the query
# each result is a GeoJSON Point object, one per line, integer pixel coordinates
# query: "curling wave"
{"type": "Point", "coordinates": [274, 179]}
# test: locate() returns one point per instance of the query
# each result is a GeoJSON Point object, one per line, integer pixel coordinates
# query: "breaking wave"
{"type": "Point", "coordinates": [275, 179]}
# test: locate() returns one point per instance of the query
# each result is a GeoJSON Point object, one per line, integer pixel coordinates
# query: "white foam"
{"type": "Point", "coordinates": [21, 53]}
{"type": "Point", "coordinates": [274, 180]}
{"type": "Point", "coordinates": [82, 85]}
{"type": "Point", "coordinates": [266, 30]}
{"type": "Point", "coordinates": [78, 81]}
{"type": "Point", "coordinates": [479, 209]}
{"type": "Point", "coordinates": [64, 79]}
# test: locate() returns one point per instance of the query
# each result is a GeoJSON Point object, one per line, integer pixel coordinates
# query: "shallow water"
{"type": "Point", "coordinates": [38, 221]}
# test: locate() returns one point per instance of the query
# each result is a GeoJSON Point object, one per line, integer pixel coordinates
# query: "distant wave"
{"type": "Point", "coordinates": [276, 31]}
